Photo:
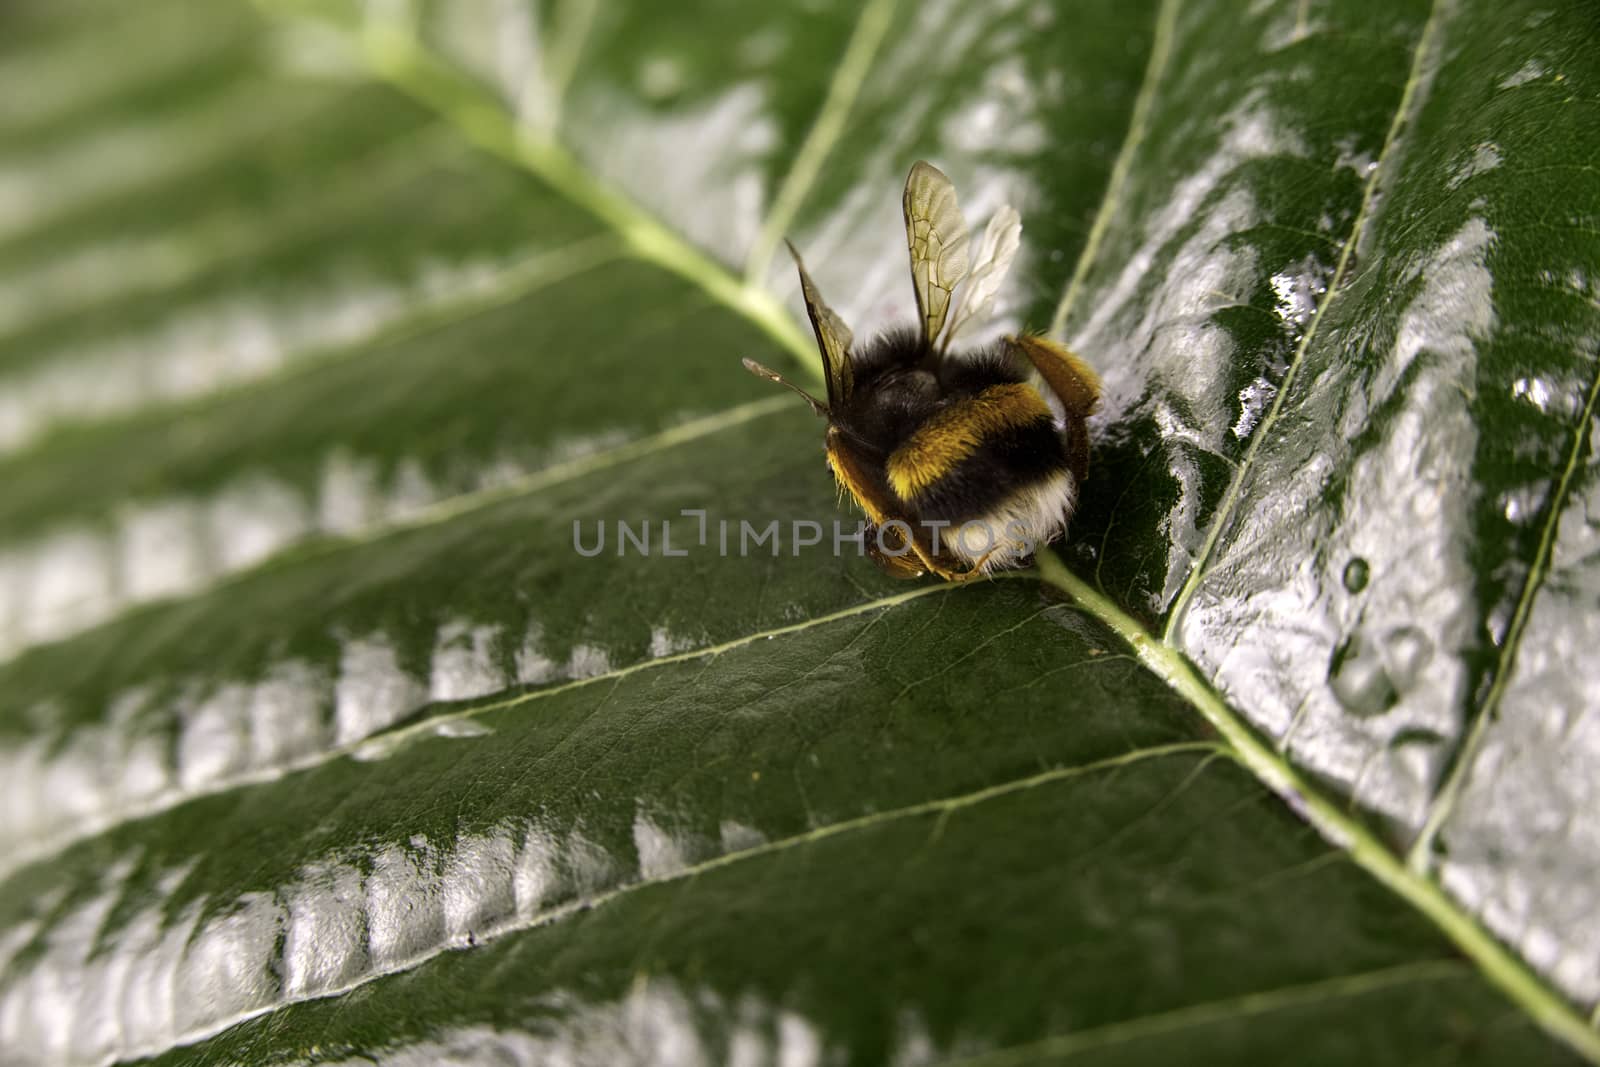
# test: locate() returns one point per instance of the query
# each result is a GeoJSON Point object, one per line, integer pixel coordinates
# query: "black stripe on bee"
{"type": "Point", "coordinates": [1007, 463]}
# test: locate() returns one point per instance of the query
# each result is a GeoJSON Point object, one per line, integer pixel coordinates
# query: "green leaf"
{"type": "Point", "coordinates": [330, 332]}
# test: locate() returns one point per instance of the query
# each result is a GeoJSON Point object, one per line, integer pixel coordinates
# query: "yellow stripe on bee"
{"type": "Point", "coordinates": [853, 481]}
{"type": "Point", "coordinates": [953, 434]}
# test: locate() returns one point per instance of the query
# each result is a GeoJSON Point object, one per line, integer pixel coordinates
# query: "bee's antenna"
{"type": "Point", "coordinates": [773, 376]}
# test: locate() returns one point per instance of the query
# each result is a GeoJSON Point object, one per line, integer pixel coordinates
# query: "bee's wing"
{"type": "Point", "coordinates": [937, 236]}
{"type": "Point", "coordinates": [995, 253]}
{"type": "Point", "coordinates": [833, 336]}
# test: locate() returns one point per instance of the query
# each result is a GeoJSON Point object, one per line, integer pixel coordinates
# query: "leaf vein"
{"type": "Point", "coordinates": [1230, 498]}
{"type": "Point", "coordinates": [941, 806]}
{"type": "Point", "coordinates": [1160, 53]}
{"type": "Point", "coordinates": [392, 52]}
{"type": "Point", "coordinates": [1498, 964]}
{"type": "Point", "coordinates": [1195, 1016]}
{"type": "Point", "coordinates": [1420, 855]}
{"type": "Point", "coordinates": [445, 510]}
{"type": "Point", "coordinates": [848, 78]}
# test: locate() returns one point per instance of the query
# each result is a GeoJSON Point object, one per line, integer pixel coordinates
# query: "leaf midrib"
{"type": "Point", "coordinates": [1530, 992]}
{"type": "Point", "coordinates": [400, 60]}
{"type": "Point", "coordinates": [397, 57]}
{"type": "Point", "coordinates": [1333, 820]}
{"type": "Point", "coordinates": [392, 53]}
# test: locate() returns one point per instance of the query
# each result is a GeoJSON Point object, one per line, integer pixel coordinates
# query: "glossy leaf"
{"type": "Point", "coordinates": [352, 353]}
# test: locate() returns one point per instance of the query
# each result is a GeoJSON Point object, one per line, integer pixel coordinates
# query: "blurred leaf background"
{"type": "Point", "coordinates": [323, 322]}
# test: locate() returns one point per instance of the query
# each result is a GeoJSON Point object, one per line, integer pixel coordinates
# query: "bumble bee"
{"type": "Point", "coordinates": [962, 461]}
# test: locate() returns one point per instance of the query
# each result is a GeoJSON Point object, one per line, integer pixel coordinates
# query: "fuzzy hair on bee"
{"type": "Point", "coordinates": [962, 461]}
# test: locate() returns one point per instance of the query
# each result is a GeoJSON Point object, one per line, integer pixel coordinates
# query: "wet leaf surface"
{"type": "Point", "coordinates": [331, 332]}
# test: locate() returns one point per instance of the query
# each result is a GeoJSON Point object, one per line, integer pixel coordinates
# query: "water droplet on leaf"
{"type": "Point", "coordinates": [1356, 573]}
{"type": "Point", "coordinates": [1407, 650]}
{"type": "Point", "coordinates": [1359, 679]}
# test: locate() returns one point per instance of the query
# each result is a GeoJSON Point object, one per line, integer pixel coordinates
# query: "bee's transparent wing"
{"type": "Point", "coordinates": [995, 253]}
{"type": "Point", "coordinates": [937, 236]}
{"type": "Point", "coordinates": [833, 336]}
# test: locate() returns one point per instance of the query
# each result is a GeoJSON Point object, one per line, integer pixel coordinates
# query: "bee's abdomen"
{"type": "Point", "coordinates": [977, 450]}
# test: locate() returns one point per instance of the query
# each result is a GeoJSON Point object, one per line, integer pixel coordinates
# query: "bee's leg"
{"type": "Point", "coordinates": [975, 571]}
{"type": "Point", "coordinates": [961, 576]}
{"type": "Point", "coordinates": [881, 512]}
{"type": "Point", "coordinates": [1072, 380]}
{"type": "Point", "coordinates": [897, 566]}
{"type": "Point", "coordinates": [913, 562]}
{"type": "Point", "coordinates": [1074, 384]}
{"type": "Point", "coordinates": [930, 563]}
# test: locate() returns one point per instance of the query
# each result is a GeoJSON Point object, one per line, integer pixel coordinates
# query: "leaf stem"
{"type": "Point", "coordinates": [1513, 977]}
